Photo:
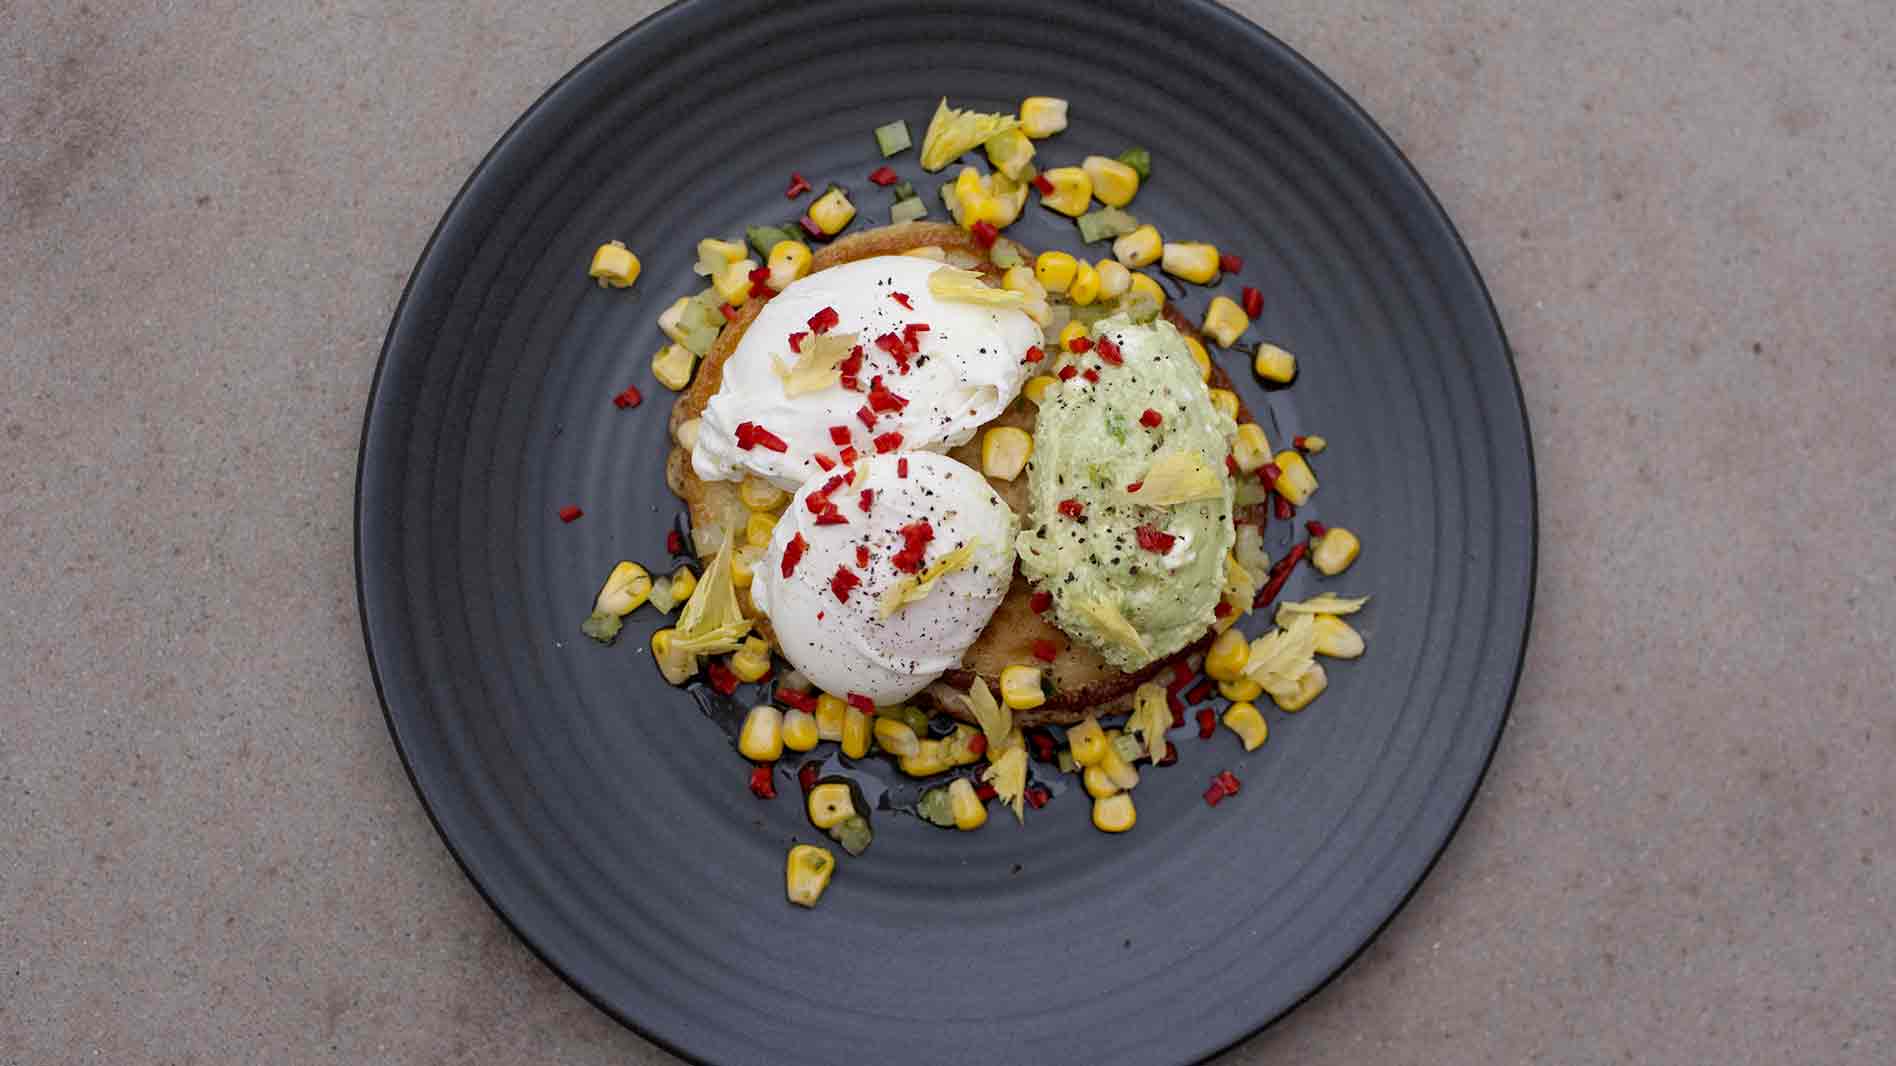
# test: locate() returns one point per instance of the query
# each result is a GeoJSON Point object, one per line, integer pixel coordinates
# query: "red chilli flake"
{"type": "Point", "coordinates": [1034, 355]}
{"type": "Point", "coordinates": [810, 227]}
{"type": "Point", "coordinates": [801, 701]}
{"type": "Point", "coordinates": [862, 556]}
{"type": "Point", "coordinates": [762, 290]}
{"type": "Point", "coordinates": [1154, 539]}
{"type": "Point", "coordinates": [977, 744]}
{"type": "Point", "coordinates": [884, 176]}
{"type": "Point", "coordinates": [1046, 650]}
{"type": "Point", "coordinates": [1068, 373]}
{"type": "Point", "coordinates": [1135, 486]}
{"type": "Point", "coordinates": [882, 399]}
{"type": "Point", "coordinates": [985, 234]}
{"type": "Point", "coordinates": [1223, 610]}
{"type": "Point", "coordinates": [1316, 528]}
{"type": "Point", "coordinates": [1079, 344]}
{"type": "Point", "coordinates": [1285, 512]}
{"type": "Point", "coordinates": [909, 332]}
{"type": "Point", "coordinates": [823, 461]}
{"type": "Point", "coordinates": [761, 784]}
{"type": "Point", "coordinates": [1231, 264]}
{"type": "Point", "coordinates": [849, 456]}
{"type": "Point", "coordinates": [1200, 692]}
{"type": "Point", "coordinates": [721, 677]}
{"type": "Point", "coordinates": [798, 186]}
{"type": "Point", "coordinates": [770, 441]}
{"type": "Point", "coordinates": [830, 516]}
{"type": "Point", "coordinates": [1044, 186]}
{"type": "Point", "coordinates": [866, 417]}
{"type": "Point", "coordinates": [1037, 796]}
{"type": "Point", "coordinates": [729, 312]}
{"type": "Point", "coordinates": [1231, 465]}
{"type": "Point", "coordinates": [839, 435]}
{"type": "Point", "coordinates": [1073, 508]}
{"type": "Point", "coordinates": [675, 542]}
{"type": "Point", "coordinates": [862, 503]}
{"type": "Point", "coordinates": [1207, 724]}
{"type": "Point", "coordinates": [1109, 351]}
{"type": "Point", "coordinates": [1177, 707]}
{"type": "Point", "coordinates": [901, 469]}
{"type": "Point", "coordinates": [807, 777]}
{"type": "Point", "coordinates": [793, 553]}
{"type": "Point", "coordinates": [631, 397]}
{"type": "Point", "coordinates": [861, 702]}
{"type": "Point", "coordinates": [1151, 419]}
{"type": "Point", "coordinates": [1299, 442]}
{"type": "Point", "coordinates": [569, 513]}
{"type": "Point", "coordinates": [888, 442]}
{"type": "Point", "coordinates": [984, 791]}
{"type": "Point", "coordinates": [1040, 601]}
{"type": "Point", "coordinates": [1253, 302]}
{"type": "Point", "coordinates": [1090, 374]}
{"type": "Point", "coordinates": [1170, 756]}
{"type": "Point", "coordinates": [1181, 676]}
{"type": "Point", "coordinates": [796, 341]}
{"type": "Point", "coordinates": [1280, 573]}
{"type": "Point", "coordinates": [1215, 794]}
{"type": "Point", "coordinates": [1042, 743]}
{"type": "Point", "coordinates": [902, 298]}
{"type": "Point", "coordinates": [851, 366]}
{"type": "Point", "coordinates": [842, 582]}
{"type": "Point", "coordinates": [1269, 473]}
{"type": "Point", "coordinates": [1230, 782]}
{"type": "Point", "coordinates": [824, 321]}
{"type": "Point", "coordinates": [762, 273]}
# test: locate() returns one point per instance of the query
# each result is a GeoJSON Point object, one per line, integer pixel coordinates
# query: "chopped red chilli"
{"type": "Point", "coordinates": [793, 554]}
{"type": "Point", "coordinates": [888, 442]}
{"type": "Point", "coordinates": [1285, 512]}
{"type": "Point", "coordinates": [884, 176]}
{"type": "Point", "coordinates": [721, 677]}
{"type": "Point", "coordinates": [807, 777]}
{"type": "Point", "coordinates": [842, 582]}
{"type": "Point", "coordinates": [977, 744]}
{"type": "Point", "coordinates": [810, 227]}
{"type": "Point", "coordinates": [902, 298]}
{"type": "Point", "coordinates": [1230, 782]}
{"type": "Point", "coordinates": [1316, 528]}
{"type": "Point", "coordinates": [1200, 692]}
{"type": "Point", "coordinates": [1253, 302]}
{"type": "Point", "coordinates": [866, 417]}
{"type": "Point", "coordinates": [1079, 344]}
{"type": "Point", "coordinates": [830, 516]}
{"type": "Point", "coordinates": [1231, 264]}
{"type": "Point", "coordinates": [1040, 601]}
{"type": "Point", "coordinates": [569, 513]}
{"type": "Point", "coordinates": [823, 461]}
{"type": "Point", "coordinates": [881, 399]}
{"type": "Point", "coordinates": [901, 468]}
{"type": "Point", "coordinates": [863, 501]}
{"type": "Point", "coordinates": [1068, 373]}
{"type": "Point", "coordinates": [761, 785]}
{"type": "Point", "coordinates": [1045, 650]}
{"type": "Point", "coordinates": [675, 542]}
{"type": "Point", "coordinates": [1072, 508]}
{"type": "Point", "coordinates": [1044, 186]}
{"type": "Point", "coordinates": [862, 556]}
{"type": "Point", "coordinates": [1154, 539]}
{"type": "Point", "coordinates": [1090, 374]}
{"type": "Point", "coordinates": [1038, 795]}
{"type": "Point", "coordinates": [729, 312]}
{"type": "Point", "coordinates": [796, 341]}
{"type": "Point", "coordinates": [839, 435]}
{"type": "Point", "coordinates": [1207, 723]}
{"type": "Point", "coordinates": [824, 321]}
{"type": "Point", "coordinates": [790, 697]}
{"type": "Point", "coordinates": [861, 702]}
{"type": "Point", "coordinates": [915, 538]}
{"type": "Point", "coordinates": [1170, 756]}
{"type": "Point", "coordinates": [1280, 573]}
{"type": "Point", "coordinates": [909, 333]}
{"type": "Point", "coordinates": [1223, 610]}
{"type": "Point", "coordinates": [1034, 354]}
{"type": "Point", "coordinates": [1268, 473]}
{"type": "Point", "coordinates": [848, 455]}
{"type": "Point", "coordinates": [1150, 419]}
{"type": "Point", "coordinates": [631, 397]}
{"type": "Point", "coordinates": [985, 234]}
{"type": "Point", "coordinates": [1215, 794]}
{"type": "Point", "coordinates": [1231, 465]}
{"type": "Point", "coordinates": [798, 186]}
{"type": "Point", "coordinates": [984, 791]}
{"type": "Point", "coordinates": [1109, 351]}
{"type": "Point", "coordinates": [762, 289]}
{"type": "Point", "coordinates": [1134, 486]}
{"type": "Point", "coordinates": [762, 273]}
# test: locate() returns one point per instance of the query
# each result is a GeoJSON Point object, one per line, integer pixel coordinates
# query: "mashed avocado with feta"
{"type": "Point", "coordinates": [1130, 503]}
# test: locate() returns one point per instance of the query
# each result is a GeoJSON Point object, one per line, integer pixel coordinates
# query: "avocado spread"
{"type": "Point", "coordinates": [1130, 502]}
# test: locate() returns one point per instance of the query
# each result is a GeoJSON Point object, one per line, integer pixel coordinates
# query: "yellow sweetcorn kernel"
{"type": "Point", "coordinates": [758, 528]}
{"type": "Point", "coordinates": [1250, 448]}
{"type": "Point", "coordinates": [856, 733]}
{"type": "Point", "coordinates": [1274, 364]}
{"type": "Point", "coordinates": [1087, 741]}
{"type": "Point", "coordinates": [1004, 452]}
{"type": "Point", "coordinates": [625, 589]}
{"type": "Point", "coordinates": [1243, 690]}
{"type": "Point", "coordinates": [1085, 287]}
{"type": "Point", "coordinates": [1054, 270]}
{"type": "Point", "coordinates": [1147, 290]}
{"type": "Point", "coordinates": [1334, 551]}
{"type": "Point", "coordinates": [1193, 261]}
{"type": "Point", "coordinates": [1021, 279]}
{"type": "Point", "coordinates": [1225, 659]}
{"type": "Point", "coordinates": [789, 260]}
{"type": "Point", "coordinates": [970, 813]}
{"type": "Point", "coordinates": [830, 804]}
{"type": "Point", "coordinates": [1225, 321]}
{"type": "Point", "coordinates": [1244, 720]}
{"type": "Point", "coordinates": [829, 716]}
{"type": "Point", "coordinates": [683, 584]}
{"type": "Point", "coordinates": [895, 737]}
{"type": "Point", "coordinates": [1114, 183]}
{"type": "Point", "coordinates": [1120, 772]}
{"type": "Point", "coordinates": [714, 255]}
{"type": "Point", "coordinates": [1020, 688]}
{"type": "Point", "coordinates": [1295, 480]}
{"type": "Point", "coordinates": [613, 264]}
{"type": "Point", "coordinates": [1141, 247]}
{"type": "Point", "coordinates": [1314, 444]}
{"type": "Point", "coordinates": [752, 661]}
{"type": "Point", "coordinates": [799, 730]}
{"type": "Point", "coordinates": [761, 495]}
{"type": "Point", "coordinates": [1037, 386]}
{"type": "Point", "coordinates": [1072, 191]}
{"type": "Point", "coordinates": [761, 738]}
{"type": "Point", "coordinates": [672, 366]}
{"type": "Point", "coordinates": [931, 757]}
{"type": "Point", "coordinates": [744, 565]}
{"type": "Point", "coordinates": [733, 283]}
{"type": "Point", "coordinates": [1114, 278]}
{"type": "Point", "coordinates": [1199, 356]}
{"type": "Point", "coordinates": [1097, 782]}
{"type": "Point", "coordinates": [1071, 332]}
{"type": "Point", "coordinates": [831, 212]}
{"type": "Point", "coordinates": [1310, 685]}
{"type": "Point", "coordinates": [676, 666]}
{"type": "Point", "coordinates": [806, 873]}
{"type": "Point", "coordinates": [1226, 402]}
{"type": "Point", "coordinates": [1042, 116]}
{"type": "Point", "coordinates": [1114, 813]}
{"type": "Point", "coordinates": [1336, 638]}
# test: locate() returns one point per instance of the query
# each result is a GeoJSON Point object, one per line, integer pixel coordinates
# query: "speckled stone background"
{"type": "Point", "coordinates": [1684, 852]}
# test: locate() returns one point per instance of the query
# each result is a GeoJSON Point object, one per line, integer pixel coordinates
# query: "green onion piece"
{"type": "Point", "coordinates": [602, 626]}
{"type": "Point", "coordinates": [936, 809]}
{"type": "Point", "coordinates": [893, 138]}
{"type": "Point", "coordinates": [1105, 224]}
{"type": "Point", "coordinates": [903, 190]}
{"type": "Point", "coordinates": [764, 238]}
{"type": "Point", "coordinates": [1005, 254]}
{"type": "Point", "coordinates": [1138, 159]}
{"type": "Point", "coordinates": [853, 834]}
{"type": "Point", "coordinates": [909, 210]}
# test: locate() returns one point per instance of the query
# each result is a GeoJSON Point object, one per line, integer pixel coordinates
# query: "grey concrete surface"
{"type": "Point", "coordinates": [209, 851]}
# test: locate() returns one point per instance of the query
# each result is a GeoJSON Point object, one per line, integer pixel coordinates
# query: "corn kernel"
{"type": "Point", "coordinates": [1241, 690]}
{"type": "Point", "coordinates": [1225, 659]}
{"type": "Point", "coordinates": [1244, 720]}
{"type": "Point", "coordinates": [684, 583]}
{"type": "Point", "coordinates": [1337, 638]}
{"type": "Point", "coordinates": [672, 322]}
{"type": "Point", "coordinates": [1309, 686]}
{"type": "Point", "coordinates": [896, 737]}
{"type": "Point", "coordinates": [1004, 452]}
{"type": "Point", "coordinates": [1335, 551]}
{"type": "Point", "coordinates": [1037, 386]}
{"type": "Point", "coordinates": [1055, 270]}
{"type": "Point", "coordinates": [1193, 261]}
{"type": "Point", "coordinates": [1042, 116]}
{"type": "Point", "coordinates": [761, 738]}
{"type": "Point", "coordinates": [806, 873]}
{"type": "Point", "coordinates": [1085, 287]}
{"type": "Point", "coordinates": [1072, 191]}
{"type": "Point", "coordinates": [613, 264]}
{"type": "Point", "coordinates": [1020, 688]}
{"type": "Point", "coordinates": [1225, 402]}
{"type": "Point", "coordinates": [969, 811]}
{"type": "Point", "coordinates": [1250, 449]}
{"type": "Point", "coordinates": [1010, 152]}
{"type": "Point", "coordinates": [1117, 769]}
{"type": "Point", "coordinates": [1071, 332]}
{"type": "Point", "coordinates": [733, 282]}
{"type": "Point", "coordinates": [1141, 247]}
{"type": "Point", "coordinates": [831, 212]}
{"type": "Point", "coordinates": [1143, 287]}
{"type": "Point", "coordinates": [672, 366]}
{"type": "Point", "coordinates": [829, 804]}
{"type": "Point", "coordinates": [1114, 183]}
{"type": "Point", "coordinates": [676, 666]}
{"type": "Point", "coordinates": [752, 661]}
{"type": "Point", "coordinates": [686, 435]}
{"type": "Point", "coordinates": [829, 716]}
{"type": "Point", "coordinates": [799, 730]}
{"type": "Point", "coordinates": [1225, 321]}
{"type": "Point", "coordinates": [1114, 813]}
{"type": "Point", "coordinates": [1296, 481]}
{"type": "Point", "coordinates": [744, 565]}
{"type": "Point", "coordinates": [714, 255]}
{"type": "Point", "coordinates": [1274, 364]}
{"type": "Point", "coordinates": [1021, 279]}
{"type": "Point", "coordinates": [856, 732]}
{"type": "Point", "coordinates": [1114, 278]}
{"type": "Point", "coordinates": [758, 528]}
{"type": "Point", "coordinates": [789, 260]}
{"type": "Point", "coordinates": [761, 495]}
{"type": "Point", "coordinates": [1315, 444]}
{"type": "Point", "coordinates": [931, 757]}
{"type": "Point", "coordinates": [1201, 357]}
{"type": "Point", "coordinates": [628, 586]}
{"type": "Point", "coordinates": [1087, 741]}
{"type": "Point", "coordinates": [1098, 785]}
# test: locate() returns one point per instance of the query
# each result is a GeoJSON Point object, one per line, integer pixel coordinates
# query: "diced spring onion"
{"type": "Point", "coordinates": [893, 138]}
{"type": "Point", "coordinates": [908, 210]}
{"type": "Point", "coordinates": [1105, 224]}
{"type": "Point", "coordinates": [1138, 159]}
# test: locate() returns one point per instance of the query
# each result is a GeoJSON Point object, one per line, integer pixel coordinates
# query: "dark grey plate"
{"type": "Point", "coordinates": [608, 822]}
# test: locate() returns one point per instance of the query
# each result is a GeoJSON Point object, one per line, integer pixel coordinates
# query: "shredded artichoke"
{"type": "Point", "coordinates": [1282, 656]}
{"type": "Point", "coordinates": [712, 621]}
{"type": "Point", "coordinates": [1326, 603]}
{"type": "Point", "coordinates": [815, 368]}
{"type": "Point", "coordinates": [995, 720]}
{"type": "Point", "coordinates": [1178, 477]}
{"type": "Point", "coordinates": [1008, 775]}
{"type": "Point", "coordinates": [1105, 614]}
{"type": "Point", "coordinates": [913, 588]}
{"type": "Point", "coordinates": [966, 286]}
{"type": "Point", "coordinates": [1150, 718]}
{"type": "Point", "coordinates": [953, 132]}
